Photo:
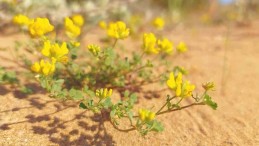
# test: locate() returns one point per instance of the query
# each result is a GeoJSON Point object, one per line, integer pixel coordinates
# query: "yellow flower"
{"type": "Point", "coordinates": [36, 67]}
{"type": "Point", "coordinates": [94, 49]}
{"type": "Point", "coordinates": [102, 24]}
{"type": "Point", "coordinates": [165, 46]}
{"type": "Point", "coordinates": [209, 86]}
{"type": "Point", "coordinates": [103, 93]}
{"type": "Point", "coordinates": [55, 52]}
{"type": "Point", "coordinates": [72, 30]}
{"type": "Point", "coordinates": [181, 89]}
{"type": "Point", "coordinates": [118, 30]}
{"type": "Point", "coordinates": [187, 89]}
{"type": "Point", "coordinates": [78, 20]}
{"type": "Point", "coordinates": [159, 23]}
{"type": "Point", "coordinates": [40, 27]}
{"type": "Point", "coordinates": [42, 67]}
{"type": "Point", "coordinates": [149, 44]}
{"type": "Point", "coordinates": [181, 47]}
{"type": "Point", "coordinates": [146, 115]}
{"type": "Point", "coordinates": [75, 43]}
{"type": "Point", "coordinates": [179, 78]}
{"type": "Point", "coordinates": [21, 20]}
{"type": "Point", "coordinates": [171, 81]}
{"type": "Point", "coordinates": [178, 90]}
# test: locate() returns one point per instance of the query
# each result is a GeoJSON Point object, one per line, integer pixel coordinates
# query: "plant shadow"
{"type": "Point", "coordinates": [79, 128]}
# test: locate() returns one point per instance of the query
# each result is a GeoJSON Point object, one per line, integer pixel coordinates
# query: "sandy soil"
{"type": "Point", "coordinates": [39, 120]}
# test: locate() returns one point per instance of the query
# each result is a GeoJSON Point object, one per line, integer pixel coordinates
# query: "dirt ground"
{"type": "Point", "coordinates": [233, 65]}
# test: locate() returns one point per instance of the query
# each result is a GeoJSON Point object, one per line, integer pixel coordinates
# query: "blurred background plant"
{"type": "Point", "coordinates": [209, 11]}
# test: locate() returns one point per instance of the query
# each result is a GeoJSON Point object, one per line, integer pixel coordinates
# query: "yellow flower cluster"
{"type": "Point", "coordinates": [78, 20]}
{"type": "Point", "coordinates": [43, 67]}
{"type": "Point", "coordinates": [208, 86]}
{"type": "Point", "coordinates": [40, 26]}
{"type": "Point", "coordinates": [165, 46]}
{"type": "Point", "coordinates": [21, 20]}
{"type": "Point", "coordinates": [146, 115]}
{"type": "Point", "coordinates": [94, 49]}
{"type": "Point", "coordinates": [73, 25]}
{"type": "Point", "coordinates": [103, 93]}
{"type": "Point", "coordinates": [118, 30]}
{"type": "Point", "coordinates": [181, 47]}
{"type": "Point", "coordinates": [159, 23]}
{"type": "Point", "coordinates": [182, 89]}
{"type": "Point", "coordinates": [151, 45]}
{"type": "Point", "coordinates": [55, 51]}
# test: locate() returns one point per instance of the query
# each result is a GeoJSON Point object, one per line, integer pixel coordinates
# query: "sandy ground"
{"type": "Point", "coordinates": [38, 120]}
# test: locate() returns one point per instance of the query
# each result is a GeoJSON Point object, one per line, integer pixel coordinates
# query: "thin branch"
{"type": "Point", "coordinates": [121, 130]}
{"type": "Point", "coordinates": [187, 106]}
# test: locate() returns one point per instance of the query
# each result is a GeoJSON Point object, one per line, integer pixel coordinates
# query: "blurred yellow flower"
{"type": "Point", "coordinates": [43, 67]}
{"type": "Point", "coordinates": [21, 20]}
{"type": "Point", "coordinates": [159, 23]}
{"type": "Point", "coordinates": [181, 47]}
{"type": "Point", "coordinates": [78, 20]}
{"type": "Point", "coordinates": [40, 26]}
{"type": "Point", "coordinates": [94, 49]}
{"type": "Point", "coordinates": [55, 52]}
{"type": "Point", "coordinates": [118, 30]}
{"type": "Point", "coordinates": [176, 84]}
{"type": "Point", "coordinates": [149, 44]}
{"type": "Point", "coordinates": [103, 93]}
{"type": "Point", "coordinates": [72, 30]}
{"type": "Point", "coordinates": [75, 43]}
{"type": "Point", "coordinates": [209, 86]}
{"type": "Point", "coordinates": [171, 81]}
{"type": "Point", "coordinates": [102, 24]}
{"type": "Point", "coordinates": [187, 89]}
{"type": "Point", "coordinates": [165, 46]}
{"type": "Point", "coordinates": [146, 115]}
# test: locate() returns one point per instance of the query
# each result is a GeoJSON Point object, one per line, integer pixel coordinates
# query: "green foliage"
{"type": "Point", "coordinates": [208, 101]}
{"type": "Point", "coordinates": [7, 76]}
{"type": "Point", "coordinates": [70, 73]}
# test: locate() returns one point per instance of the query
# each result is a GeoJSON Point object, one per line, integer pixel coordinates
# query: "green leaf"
{"type": "Point", "coordinates": [43, 82]}
{"type": "Point", "coordinates": [157, 126]}
{"type": "Point", "coordinates": [10, 77]}
{"type": "Point", "coordinates": [82, 105]}
{"type": "Point", "coordinates": [57, 86]}
{"type": "Point", "coordinates": [112, 113]}
{"type": "Point", "coordinates": [126, 93]}
{"type": "Point", "coordinates": [130, 115]}
{"type": "Point", "coordinates": [209, 102]}
{"type": "Point", "coordinates": [149, 64]}
{"type": "Point", "coordinates": [76, 94]}
{"type": "Point", "coordinates": [107, 103]}
{"type": "Point", "coordinates": [26, 90]}
{"type": "Point", "coordinates": [133, 98]}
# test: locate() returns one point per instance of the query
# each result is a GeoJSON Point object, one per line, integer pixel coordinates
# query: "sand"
{"type": "Point", "coordinates": [36, 119]}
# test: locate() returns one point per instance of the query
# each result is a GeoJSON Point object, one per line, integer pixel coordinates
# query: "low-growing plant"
{"type": "Point", "coordinates": [96, 73]}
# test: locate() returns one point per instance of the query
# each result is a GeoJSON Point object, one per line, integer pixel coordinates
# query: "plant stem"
{"type": "Point", "coordinates": [187, 106]}
{"type": "Point", "coordinates": [164, 105]}
{"type": "Point", "coordinates": [114, 44]}
{"type": "Point", "coordinates": [121, 130]}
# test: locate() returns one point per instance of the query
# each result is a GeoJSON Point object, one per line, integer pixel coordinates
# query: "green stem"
{"type": "Point", "coordinates": [114, 44]}
{"type": "Point", "coordinates": [165, 105]}
{"type": "Point", "coordinates": [187, 106]}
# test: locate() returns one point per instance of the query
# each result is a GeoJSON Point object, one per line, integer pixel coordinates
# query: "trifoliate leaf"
{"type": "Point", "coordinates": [157, 126]}
{"type": "Point", "coordinates": [209, 102]}
{"type": "Point", "coordinates": [76, 94]}
{"type": "Point", "coordinates": [107, 103]}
